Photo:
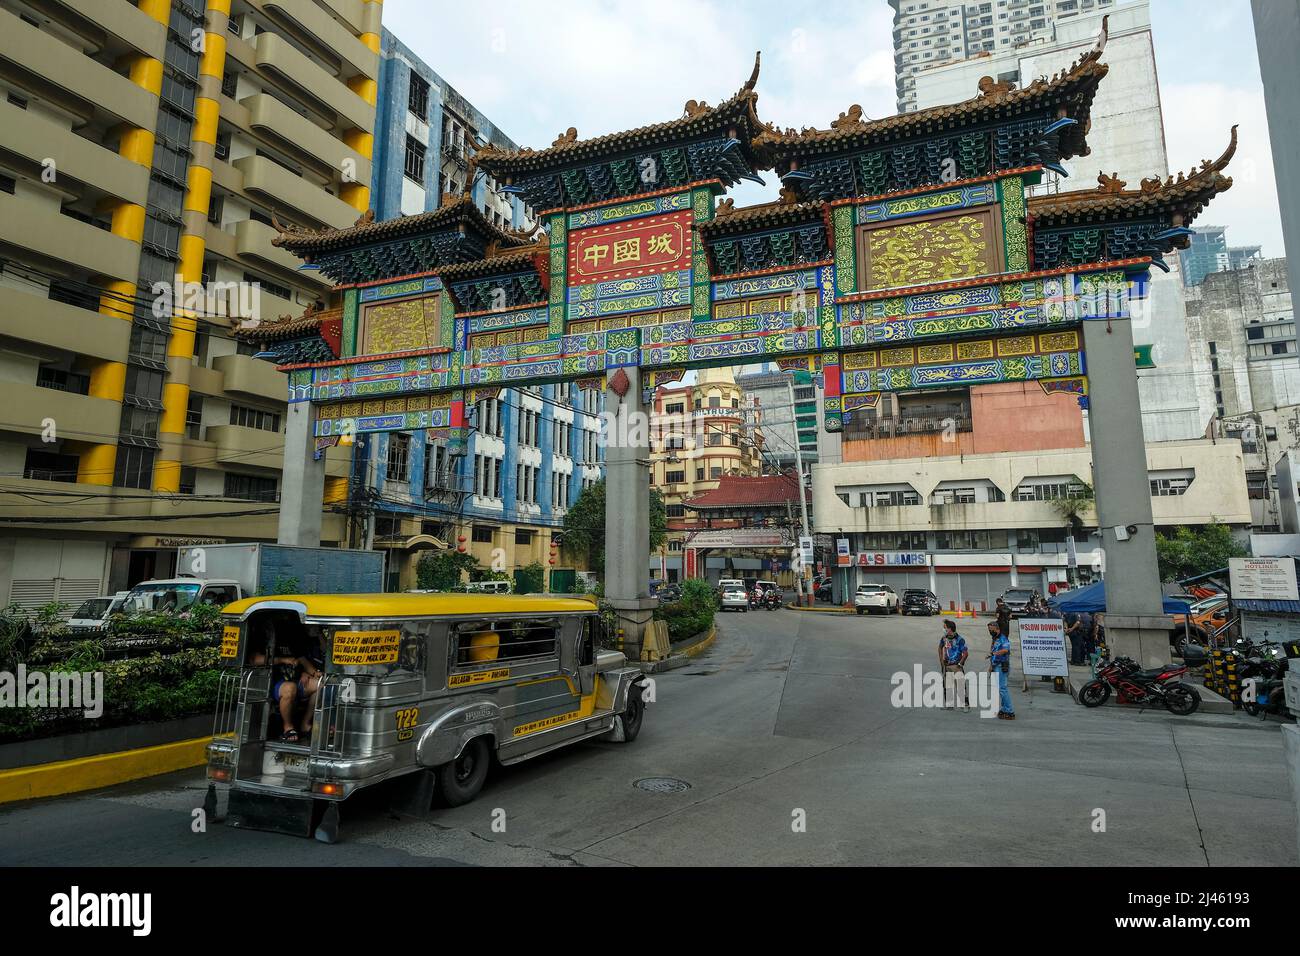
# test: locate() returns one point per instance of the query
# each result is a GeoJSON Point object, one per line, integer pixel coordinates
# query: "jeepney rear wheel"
{"type": "Point", "coordinates": [633, 713]}
{"type": "Point", "coordinates": [460, 780]}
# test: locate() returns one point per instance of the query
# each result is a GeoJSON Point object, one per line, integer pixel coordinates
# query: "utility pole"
{"type": "Point", "coordinates": [804, 570]}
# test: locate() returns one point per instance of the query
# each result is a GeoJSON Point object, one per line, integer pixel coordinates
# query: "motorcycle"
{"type": "Point", "coordinates": [1134, 685]}
{"type": "Point", "coordinates": [1262, 673]}
{"type": "Point", "coordinates": [772, 599]}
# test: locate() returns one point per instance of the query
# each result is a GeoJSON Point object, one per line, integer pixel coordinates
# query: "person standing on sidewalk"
{"type": "Point", "coordinates": [952, 659]}
{"type": "Point", "coordinates": [1004, 617]}
{"type": "Point", "coordinates": [1000, 664]}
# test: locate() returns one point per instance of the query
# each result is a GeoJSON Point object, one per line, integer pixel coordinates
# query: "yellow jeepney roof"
{"type": "Point", "coordinates": [417, 605]}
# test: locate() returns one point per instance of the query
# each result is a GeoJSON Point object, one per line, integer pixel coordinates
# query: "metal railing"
{"type": "Point", "coordinates": [329, 727]}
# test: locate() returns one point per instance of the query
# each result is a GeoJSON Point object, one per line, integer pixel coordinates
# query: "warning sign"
{"type": "Point", "coordinates": [365, 647]}
{"type": "Point", "coordinates": [229, 641]}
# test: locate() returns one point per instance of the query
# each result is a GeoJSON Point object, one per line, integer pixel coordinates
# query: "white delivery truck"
{"type": "Point", "coordinates": [222, 573]}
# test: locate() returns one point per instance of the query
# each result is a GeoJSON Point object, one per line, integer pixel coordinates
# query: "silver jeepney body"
{"type": "Point", "coordinates": [430, 692]}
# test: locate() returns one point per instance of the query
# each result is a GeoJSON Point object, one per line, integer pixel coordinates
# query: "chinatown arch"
{"type": "Point", "coordinates": [904, 253]}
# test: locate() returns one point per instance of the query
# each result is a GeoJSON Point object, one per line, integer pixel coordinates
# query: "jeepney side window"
{"type": "Point", "coordinates": [484, 642]}
{"type": "Point", "coordinates": [587, 642]}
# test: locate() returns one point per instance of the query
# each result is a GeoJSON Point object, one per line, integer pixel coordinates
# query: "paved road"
{"type": "Point", "coordinates": [788, 717]}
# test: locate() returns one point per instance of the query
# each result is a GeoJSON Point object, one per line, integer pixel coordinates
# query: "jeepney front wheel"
{"type": "Point", "coordinates": [632, 713]}
{"type": "Point", "coordinates": [460, 780]}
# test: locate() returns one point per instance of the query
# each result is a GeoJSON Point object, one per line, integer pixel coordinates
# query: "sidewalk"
{"type": "Point", "coordinates": [1211, 703]}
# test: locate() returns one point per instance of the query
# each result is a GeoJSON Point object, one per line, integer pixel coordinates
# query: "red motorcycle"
{"type": "Point", "coordinates": [1136, 686]}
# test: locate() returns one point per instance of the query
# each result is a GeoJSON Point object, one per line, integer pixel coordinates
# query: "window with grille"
{"type": "Point", "coordinates": [418, 97]}
{"type": "Point", "coordinates": [482, 534]}
{"type": "Point", "coordinates": [399, 457]}
{"type": "Point", "coordinates": [481, 643]}
{"type": "Point", "coordinates": [413, 165]}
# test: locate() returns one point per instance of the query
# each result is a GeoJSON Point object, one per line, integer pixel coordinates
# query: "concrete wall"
{"type": "Point", "coordinates": [1011, 416]}
{"type": "Point", "coordinates": [1218, 492]}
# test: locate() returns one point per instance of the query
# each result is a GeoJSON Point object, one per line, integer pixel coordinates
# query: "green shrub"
{"type": "Point", "coordinates": [691, 614]}
{"type": "Point", "coordinates": [442, 570]}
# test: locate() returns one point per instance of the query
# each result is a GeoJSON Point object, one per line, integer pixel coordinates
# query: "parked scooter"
{"type": "Point", "coordinates": [1134, 685]}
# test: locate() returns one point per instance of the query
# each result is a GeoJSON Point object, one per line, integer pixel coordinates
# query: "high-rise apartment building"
{"type": "Point", "coordinates": [1208, 251]}
{"type": "Point", "coordinates": [427, 133]}
{"type": "Point", "coordinates": [788, 407]}
{"type": "Point", "coordinates": [1127, 128]}
{"type": "Point", "coordinates": [141, 144]}
{"type": "Point", "coordinates": [531, 452]}
{"type": "Point", "coordinates": [928, 33]}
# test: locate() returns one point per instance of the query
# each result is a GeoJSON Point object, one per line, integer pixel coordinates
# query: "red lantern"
{"type": "Point", "coordinates": [552, 561]}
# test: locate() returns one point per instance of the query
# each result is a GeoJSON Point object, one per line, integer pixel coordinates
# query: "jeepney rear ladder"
{"type": "Point", "coordinates": [230, 694]}
{"type": "Point", "coordinates": [329, 724]}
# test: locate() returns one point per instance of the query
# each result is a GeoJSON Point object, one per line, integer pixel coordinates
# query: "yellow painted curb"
{"type": "Point", "coordinates": [697, 649]}
{"type": "Point", "coordinates": [819, 610]}
{"type": "Point", "coordinates": [101, 770]}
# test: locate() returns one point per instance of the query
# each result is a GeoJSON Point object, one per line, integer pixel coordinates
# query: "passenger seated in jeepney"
{"type": "Point", "coordinates": [296, 663]}
{"type": "Point", "coordinates": [296, 676]}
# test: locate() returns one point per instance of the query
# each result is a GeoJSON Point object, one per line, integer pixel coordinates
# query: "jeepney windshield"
{"type": "Point", "coordinates": [161, 597]}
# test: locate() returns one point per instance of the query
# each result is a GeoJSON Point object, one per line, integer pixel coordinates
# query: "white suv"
{"type": "Point", "coordinates": [876, 598]}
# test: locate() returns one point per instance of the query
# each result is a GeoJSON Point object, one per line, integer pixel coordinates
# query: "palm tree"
{"type": "Point", "coordinates": [1079, 501]}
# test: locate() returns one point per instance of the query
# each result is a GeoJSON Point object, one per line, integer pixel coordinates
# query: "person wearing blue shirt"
{"type": "Point", "coordinates": [1000, 663]}
{"type": "Point", "coordinates": [952, 659]}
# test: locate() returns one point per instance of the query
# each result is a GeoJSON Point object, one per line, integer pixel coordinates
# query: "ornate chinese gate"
{"type": "Point", "coordinates": [904, 254]}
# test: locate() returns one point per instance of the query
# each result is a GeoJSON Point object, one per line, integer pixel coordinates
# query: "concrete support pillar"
{"type": "Point", "coordinates": [302, 483]}
{"type": "Point", "coordinates": [1136, 625]}
{"type": "Point", "coordinates": [627, 511]}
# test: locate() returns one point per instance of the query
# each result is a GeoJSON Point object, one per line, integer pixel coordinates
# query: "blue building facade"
{"type": "Point", "coordinates": [531, 452]}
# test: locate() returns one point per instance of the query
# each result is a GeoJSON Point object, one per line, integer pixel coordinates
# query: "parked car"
{"type": "Point", "coordinates": [669, 593]}
{"type": "Point", "coordinates": [1018, 599]}
{"type": "Point", "coordinates": [876, 598]}
{"type": "Point", "coordinates": [93, 614]}
{"type": "Point", "coordinates": [735, 598]}
{"type": "Point", "coordinates": [920, 601]}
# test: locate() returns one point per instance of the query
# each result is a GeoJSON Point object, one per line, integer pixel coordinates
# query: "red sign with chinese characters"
{"type": "Point", "coordinates": [624, 250]}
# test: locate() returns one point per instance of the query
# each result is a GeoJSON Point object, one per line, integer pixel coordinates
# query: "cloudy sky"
{"type": "Point", "coordinates": [537, 68]}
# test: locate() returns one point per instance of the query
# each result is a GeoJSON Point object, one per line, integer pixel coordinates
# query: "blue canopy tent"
{"type": "Point", "coordinates": [1093, 599]}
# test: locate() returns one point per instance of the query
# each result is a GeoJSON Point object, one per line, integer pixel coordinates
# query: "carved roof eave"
{"type": "Point", "coordinates": [1180, 198]}
{"type": "Point", "coordinates": [459, 213]}
{"type": "Point", "coordinates": [765, 216]}
{"type": "Point", "coordinates": [286, 327]}
{"type": "Point", "coordinates": [535, 258]}
{"type": "Point", "coordinates": [698, 120]}
{"type": "Point", "coordinates": [1071, 91]}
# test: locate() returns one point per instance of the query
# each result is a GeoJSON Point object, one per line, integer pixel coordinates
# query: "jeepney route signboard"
{"type": "Point", "coordinates": [359, 648]}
